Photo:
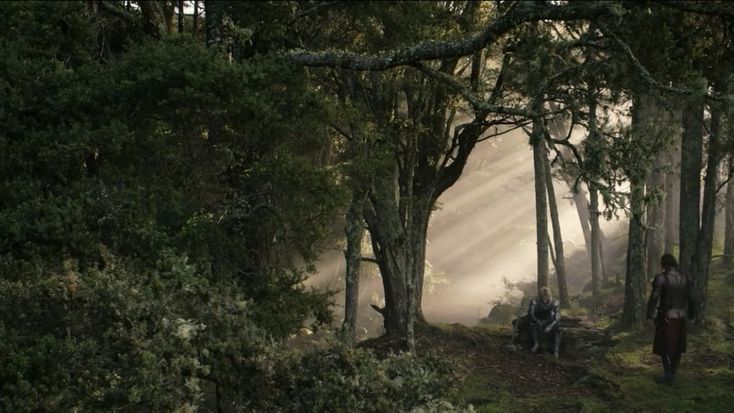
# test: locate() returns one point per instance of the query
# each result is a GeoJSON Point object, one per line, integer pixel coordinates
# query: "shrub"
{"type": "Point", "coordinates": [339, 378]}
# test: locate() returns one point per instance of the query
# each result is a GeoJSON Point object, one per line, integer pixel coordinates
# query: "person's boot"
{"type": "Point", "coordinates": [667, 378]}
{"type": "Point", "coordinates": [536, 342]}
{"type": "Point", "coordinates": [556, 344]}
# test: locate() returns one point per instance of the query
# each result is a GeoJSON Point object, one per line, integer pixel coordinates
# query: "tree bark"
{"type": "Point", "coordinates": [195, 18]}
{"type": "Point", "coordinates": [672, 199]}
{"type": "Point", "coordinates": [152, 15]}
{"type": "Point", "coordinates": [690, 191]}
{"type": "Point", "coordinates": [180, 16]}
{"type": "Point", "coordinates": [655, 222]}
{"type": "Point", "coordinates": [708, 215]}
{"type": "Point", "coordinates": [354, 230]}
{"type": "Point", "coordinates": [729, 224]}
{"type": "Point", "coordinates": [169, 11]}
{"type": "Point", "coordinates": [656, 185]}
{"type": "Point", "coordinates": [594, 254]}
{"type": "Point", "coordinates": [209, 22]}
{"type": "Point", "coordinates": [600, 251]}
{"type": "Point", "coordinates": [540, 158]}
{"type": "Point", "coordinates": [389, 248]}
{"type": "Point", "coordinates": [399, 244]}
{"type": "Point", "coordinates": [559, 261]}
{"type": "Point", "coordinates": [633, 314]}
{"type": "Point", "coordinates": [582, 209]}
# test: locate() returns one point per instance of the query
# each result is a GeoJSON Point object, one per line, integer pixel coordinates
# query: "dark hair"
{"type": "Point", "coordinates": [668, 261]}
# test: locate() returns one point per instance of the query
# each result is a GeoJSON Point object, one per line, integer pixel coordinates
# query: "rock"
{"type": "Point", "coordinates": [575, 337]}
{"type": "Point", "coordinates": [501, 314]}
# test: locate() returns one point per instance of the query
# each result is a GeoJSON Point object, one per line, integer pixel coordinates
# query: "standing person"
{"type": "Point", "coordinates": [545, 316]}
{"type": "Point", "coordinates": [669, 305]}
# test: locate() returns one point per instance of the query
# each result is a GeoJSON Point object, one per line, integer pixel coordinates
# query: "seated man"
{"type": "Point", "coordinates": [545, 316]}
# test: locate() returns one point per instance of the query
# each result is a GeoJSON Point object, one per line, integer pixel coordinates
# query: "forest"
{"type": "Point", "coordinates": [296, 206]}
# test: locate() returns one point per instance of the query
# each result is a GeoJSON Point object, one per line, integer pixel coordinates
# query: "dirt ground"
{"type": "Point", "coordinates": [484, 355]}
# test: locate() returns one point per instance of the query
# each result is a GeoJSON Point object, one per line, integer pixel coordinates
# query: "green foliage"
{"type": "Point", "coordinates": [115, 338]}
{"type": "Point", "coordinates": [342, 379]}
{"type": "Point", "coordinates": [156, 203]}
{"type": "Point", "coordinates": [99, 339]}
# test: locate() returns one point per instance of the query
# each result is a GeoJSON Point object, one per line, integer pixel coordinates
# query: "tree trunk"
{"type": "Point", "coordinates": [559, 261]}
{"type": "Point", "coordinates": [152, 15]}
{"type": "Point", "coordinates": [421, 217]}
{"type": "Point", "coordinates": [169, 11]}
{"type": "Point", "coordinates": [582, 209]}
{"type": "Point", "coordinates": [594, 253]}
{"type": "Point", "coordinates": [388, 244]}
{"type": "Point", "coordinates": [195, 18]}
{"type": "Point", "coordinates": [708, 215]}
{"type": "Point", "coordinates": [209, 22]}
{"type": "Point", "coordinates": [729, 226]}
{"type": "Point", "coordinates": [595, 256]}
{"type": "Point", "coordinates": [557, 129]}
{"type": "Point", "coordinates": [353, 254]}
{"type": "Point", "coordinates": [672, 199]}
{"type": "Point", "coordinates": [690, 191]}
{"type": "Point", "coordinates": [540, 157]}
{"type": "Point", "coordinates": [656, 216]}
{"type": "Point", "coordinates": [180, 16]}
{"type": "Point", "coordinates": [600, 251]}
{"type": "Point", "coordinates": [633, 314]}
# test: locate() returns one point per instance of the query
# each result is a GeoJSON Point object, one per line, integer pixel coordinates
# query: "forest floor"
{"type": "Point", "coordinates": [620, 379]}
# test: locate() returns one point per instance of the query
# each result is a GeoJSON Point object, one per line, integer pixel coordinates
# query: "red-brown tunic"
{"type": "Point", "coordinates": [670, 337]}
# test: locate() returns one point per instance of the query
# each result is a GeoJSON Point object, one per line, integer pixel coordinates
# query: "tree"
{"type": "Point", "coordinates": [560, 260]}
{"type": "Point", "coordinates": [415, 159]}
{"type": "Point", "coordinates": [729, 225]}
{"type": "Point", "coordinates": [173, 193]}
{"type": "Point", "coordinates": [634, 311]}
{"type": "Point", "coordinates": [540, 159]}
{"type": "Point", "coordinates": [593, 164]}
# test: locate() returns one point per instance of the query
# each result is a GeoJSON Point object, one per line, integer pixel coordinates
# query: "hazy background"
{"type": "Point", "coordinates": [483, 231]}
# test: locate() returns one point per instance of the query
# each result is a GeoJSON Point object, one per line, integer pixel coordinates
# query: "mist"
{"type": "Point", "coordinates": [482, 233]}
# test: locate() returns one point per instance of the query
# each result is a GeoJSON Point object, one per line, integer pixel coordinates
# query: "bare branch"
{"type": "Point", "coordinates": [474, 101]}
{"type": "Point", "coordinates": [516, 126]}
{"type": "Point", "coordinates": [519, 13]}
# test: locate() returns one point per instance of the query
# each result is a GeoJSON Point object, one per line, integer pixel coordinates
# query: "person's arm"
{"type": "Point", "coordinates": [555, 317]}
{"type": "Point", "coordinates": [654, 301]}
{"type": "Point", "coordinates": [531, 312]}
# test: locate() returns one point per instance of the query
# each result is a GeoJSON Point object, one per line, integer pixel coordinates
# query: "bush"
{"type": "Point", "coordinates": [339, 378]}
{"type": "Point", "coordinates": [113, 338]}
